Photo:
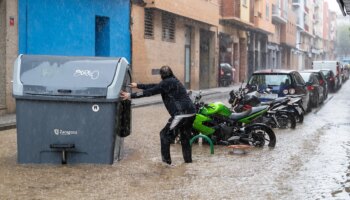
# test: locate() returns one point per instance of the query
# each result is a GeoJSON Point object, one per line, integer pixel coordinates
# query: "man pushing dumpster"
{"type": "Point", "coordinates": [179, 106]}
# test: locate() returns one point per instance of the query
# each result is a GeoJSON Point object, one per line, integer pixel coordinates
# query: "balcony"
{"type": "Point", "coordinates": [230, 8]}
{"type": "Point", "coordinates": [264, 25]}
{"type": "Point", "coordinates": [316, 3]}
{"type": "Point", "coordinates": [316, 18]}
{"type": "Point", "coordinates": [193, 10]}
{"type": "Point", "coordinates": [296, 2]}
{"type": "Point", "coordinates": [232, 12]}
{"type": "Point", "coordinates": [300, 24]}
{"type": "Point", "coordinates": [278, 15]}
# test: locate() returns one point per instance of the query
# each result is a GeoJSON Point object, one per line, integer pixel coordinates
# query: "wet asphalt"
{"type": "Point", "coordinates": [310, 162]}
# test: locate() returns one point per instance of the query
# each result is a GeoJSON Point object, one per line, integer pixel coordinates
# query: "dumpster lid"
{"type": "Point", "coordinates": [68, 76]}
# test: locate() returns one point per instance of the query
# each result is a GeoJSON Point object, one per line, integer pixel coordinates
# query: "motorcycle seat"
{"type": "Point", "coordinates": [277, 100]}
{"type": "Point", "coordinates": [237, 116]}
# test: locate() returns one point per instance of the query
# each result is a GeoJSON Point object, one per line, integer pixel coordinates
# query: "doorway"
{"type": "Point", "coordinates": [204, 59]}
{"type": "Point", "coordinates": [188, 41]}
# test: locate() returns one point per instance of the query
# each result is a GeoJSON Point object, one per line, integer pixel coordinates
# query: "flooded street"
{"type": "Point", "coordinates": [310, 162]}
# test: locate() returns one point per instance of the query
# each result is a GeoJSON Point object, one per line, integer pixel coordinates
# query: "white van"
{"type": "Point", "coordinates": [333, 65]}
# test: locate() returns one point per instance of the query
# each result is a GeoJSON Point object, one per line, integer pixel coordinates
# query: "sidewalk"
{"type": "Point", "coordinates": [9, 121]}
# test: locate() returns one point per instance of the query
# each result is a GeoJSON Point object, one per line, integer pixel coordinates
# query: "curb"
{"type": "Point", "coordinates": [8, 126]}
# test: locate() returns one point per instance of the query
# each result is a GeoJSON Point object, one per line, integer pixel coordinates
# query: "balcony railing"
{"type": "Point", "coordinates": [278, 14]}
{"type": "Point", "coordinates": [316, 17]}
{"type": "Point", "coordinates": [185, 9]}
{"type": "Point", "coordinates": [300, 23]}
{"type": "Point", "coordinates": [296, 2]}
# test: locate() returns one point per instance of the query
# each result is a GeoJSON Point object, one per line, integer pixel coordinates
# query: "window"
{"type": "Point", "coordinates": [298, 79]}
{"type": "Point", "coordinates": [149, 33]}
{"type": "Point", "coordinates": [168, 27]}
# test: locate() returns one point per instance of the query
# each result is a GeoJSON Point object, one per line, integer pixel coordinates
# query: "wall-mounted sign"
{"type": "Point", "coordinates": [12, 21]}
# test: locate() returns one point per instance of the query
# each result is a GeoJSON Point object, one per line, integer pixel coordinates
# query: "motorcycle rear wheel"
{"type": "Point", "coordinates": [286, 120]}
{"type": "Point", "coordinates": [260, 135]}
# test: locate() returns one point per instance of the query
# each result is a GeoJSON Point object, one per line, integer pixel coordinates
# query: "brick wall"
{"type": "Point", "coordinates": [2, 56]}
{"type": "Point", "coordinates": [11, 52]}
{"type": "Point", "coordinates": [152, 53]}
{"type": "Point", "coordinates": [8, 53]}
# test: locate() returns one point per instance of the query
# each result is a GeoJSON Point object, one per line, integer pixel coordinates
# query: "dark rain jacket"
{"type": "Point", "coordinates": [174, 95]}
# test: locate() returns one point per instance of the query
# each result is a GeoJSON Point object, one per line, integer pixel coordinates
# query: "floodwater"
{"type": "Point", "coordinates": [310, 162]}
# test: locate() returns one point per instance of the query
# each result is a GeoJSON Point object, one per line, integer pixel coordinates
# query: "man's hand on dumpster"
{"type": "Point", "coordinates": [133, 85]}
{"type": "Point", "coordinates": [124, 95]}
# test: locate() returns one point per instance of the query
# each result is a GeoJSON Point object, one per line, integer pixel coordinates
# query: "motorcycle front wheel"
{"type": "Point", "coordinates": [260, 135]}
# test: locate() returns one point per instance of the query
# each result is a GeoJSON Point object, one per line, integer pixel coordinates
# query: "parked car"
{"type": "Point", "coordinates": [226, 73]}
{"type": "Point", "coordinates": [334, 66]}
{"type": "Point", "coordinates": [322, 80]}
{"type": "Point", "coordinates": [280, 83]}
{"type": "Point", "coordinates": [345, 72]}
{"type": "Point", "coordinates": [331, 79]}
{"type": "Point", "coordinates": [314, 87]}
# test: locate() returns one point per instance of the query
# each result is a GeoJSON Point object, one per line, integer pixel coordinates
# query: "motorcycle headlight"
{"type": "Point", "coordinates": [285, 91]}
{"type": "Point", "coordinates": [246, 90]}
{"type": "Point", "coordinates": [291, 91]}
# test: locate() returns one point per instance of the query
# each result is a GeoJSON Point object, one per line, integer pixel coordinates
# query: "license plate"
{"type": "Point", "coordinates": [269, 96]}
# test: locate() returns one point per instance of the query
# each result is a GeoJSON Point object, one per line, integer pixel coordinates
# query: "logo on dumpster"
{"type": "Point", "coordinates": [64, 132]}
{"type": "Point", "coordinates": [95, 108]}
{"type": "Point", "coordinates": [92, 74]}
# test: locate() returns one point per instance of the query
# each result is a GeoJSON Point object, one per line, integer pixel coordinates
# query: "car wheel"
{"type": "Point", "coordinates": [308, 107]}
{"type": "Point", "coordinates": [317, 100]}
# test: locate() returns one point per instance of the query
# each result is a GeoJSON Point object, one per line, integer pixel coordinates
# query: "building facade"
{"type": "Point", "coordinates": [288, 40]}
{"type": "Point", "coordinates": [279, 19]}
{"type": "Point", "coordinates": [167, 32]}
{"type": "Point", "coordinates": [317, 44]}
{"type": "Point", "coordinates": [8, 52]}
{"type": "Point", "coordinates": [235, 23]}
{"type": "Point", "coordinates": [258, 37]}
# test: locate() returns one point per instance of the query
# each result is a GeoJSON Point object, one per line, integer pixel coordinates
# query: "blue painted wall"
{"type": "Point", "coordinates": [67, 27]}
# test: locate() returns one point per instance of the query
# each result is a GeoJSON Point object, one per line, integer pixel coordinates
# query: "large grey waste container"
{"type": "Point", "coordinates": [69, 110]}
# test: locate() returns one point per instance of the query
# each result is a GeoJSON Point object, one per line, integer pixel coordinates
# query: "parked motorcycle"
{"type": "Point", "coordinates": [225, 127]}
{"type": "Point", "coordinates": [278, 114]}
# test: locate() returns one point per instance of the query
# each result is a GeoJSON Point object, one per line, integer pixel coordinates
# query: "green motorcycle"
{"type": "Point", "coordinates": [222, 126]}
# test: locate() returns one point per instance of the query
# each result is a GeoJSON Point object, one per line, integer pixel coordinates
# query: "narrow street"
{"type": "Point", "coordinates": [310, 162]}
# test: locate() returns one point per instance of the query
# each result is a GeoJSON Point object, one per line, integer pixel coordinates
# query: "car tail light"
{"type": "Point", "coordinates": [321, 82]}
{"type": "Point", "coordinates": [291, 91]}
{"type": "Point", "coordinates": [310, 87]}
{"type": "Point", "coordinates": [222, 72]}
